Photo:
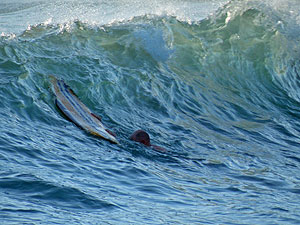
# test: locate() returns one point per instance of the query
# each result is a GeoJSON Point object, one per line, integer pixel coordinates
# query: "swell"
{"type": "Point", "coordinates": [20, 185]}
{"type": "Point", "coordinates": [203, 77]}
{"type": "Point", "coordinates": [222, 71]}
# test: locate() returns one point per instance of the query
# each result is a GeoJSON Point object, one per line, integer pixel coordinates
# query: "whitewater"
{"type": "Point", "coordinates": [215, 83]}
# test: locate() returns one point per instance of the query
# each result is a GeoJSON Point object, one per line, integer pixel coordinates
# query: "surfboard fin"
{"type": "Point", "coordinates": [97, 117]}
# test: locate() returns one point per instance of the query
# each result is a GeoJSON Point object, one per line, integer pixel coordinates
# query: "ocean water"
{"type": "Point", "coordinates": [216, 83]}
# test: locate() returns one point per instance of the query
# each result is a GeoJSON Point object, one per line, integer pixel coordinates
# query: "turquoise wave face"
{"type": "Point", "coordinates": [220, 94]}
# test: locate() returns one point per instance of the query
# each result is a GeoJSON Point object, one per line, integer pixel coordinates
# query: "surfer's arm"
{"type": "Point", "coordinates": [158, 148]}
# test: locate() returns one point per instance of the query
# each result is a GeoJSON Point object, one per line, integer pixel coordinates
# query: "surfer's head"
{"type": "Point", "coordinates": [141, 136]}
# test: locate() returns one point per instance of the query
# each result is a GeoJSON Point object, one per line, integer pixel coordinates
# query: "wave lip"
{"type": "Point", "coordinates": [97, 12]}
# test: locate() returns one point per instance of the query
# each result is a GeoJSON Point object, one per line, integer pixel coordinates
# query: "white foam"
{"type": "Point", "coordinates": [98, 12]}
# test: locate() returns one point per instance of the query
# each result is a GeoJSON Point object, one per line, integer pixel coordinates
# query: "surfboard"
{"type": "Point", "coordinates": [71, 106]}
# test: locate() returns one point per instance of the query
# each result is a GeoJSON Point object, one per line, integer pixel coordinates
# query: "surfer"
{"type": "Point", "coordinates": [144, 138]}
{"type": "Point", "coordinates": [78, 113]}
{"type": "Point", "coordinates": [138, 136]}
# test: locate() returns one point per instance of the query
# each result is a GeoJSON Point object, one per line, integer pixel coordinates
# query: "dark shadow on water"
{"type": "Point", "coordinates": [30, 187]}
